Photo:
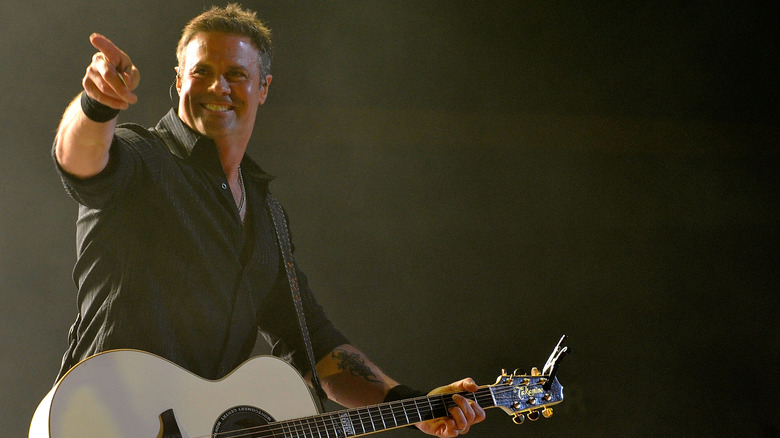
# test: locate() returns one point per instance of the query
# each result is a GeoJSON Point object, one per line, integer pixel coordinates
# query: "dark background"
{"type": "Point", "coordinates": [466, 183]}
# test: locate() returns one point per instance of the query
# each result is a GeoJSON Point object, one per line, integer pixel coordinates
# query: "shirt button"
{"type": "Point", "coordinates": [224, 186]}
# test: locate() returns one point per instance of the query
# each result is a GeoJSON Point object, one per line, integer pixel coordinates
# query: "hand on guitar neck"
{"type": "Point", "coordinates": [463, 415]}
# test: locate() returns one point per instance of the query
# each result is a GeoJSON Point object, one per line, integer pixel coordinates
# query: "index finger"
{"type": "Point", "coordinates": [113, 55]}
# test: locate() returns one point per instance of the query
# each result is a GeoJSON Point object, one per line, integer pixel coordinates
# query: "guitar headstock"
{"type": "Point", "coordinates": [530, 395]}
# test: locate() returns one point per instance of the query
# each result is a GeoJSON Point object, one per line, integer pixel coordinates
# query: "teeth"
{"type": "Point", "coordinates": [212, 107]}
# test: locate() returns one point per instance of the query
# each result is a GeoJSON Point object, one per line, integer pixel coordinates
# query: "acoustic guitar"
{"type": "Point", "coordinates": [131, 393]}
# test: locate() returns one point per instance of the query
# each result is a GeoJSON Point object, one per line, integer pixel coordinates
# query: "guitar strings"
{"type": "Point", "coordinates": [391, 410]}
{"type": "Point", "coordinates": [320, 423]}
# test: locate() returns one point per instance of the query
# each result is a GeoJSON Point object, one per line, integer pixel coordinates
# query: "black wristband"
{"type": "Point", "coordinates": [96, 111]}
{"type": "Point", "coordinates": [401, 392]}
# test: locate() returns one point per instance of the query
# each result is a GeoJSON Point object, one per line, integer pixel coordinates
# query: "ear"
{"type": "Point", "coordinates": [264, 89]}
{"type": "Point", "coordinates": [178, 80]}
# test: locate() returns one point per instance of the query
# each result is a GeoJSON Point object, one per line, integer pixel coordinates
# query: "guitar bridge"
{"type": "Point", "coordinates": [169, 428]}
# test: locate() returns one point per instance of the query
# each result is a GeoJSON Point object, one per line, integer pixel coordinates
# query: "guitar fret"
{"type": "Point", "coordinates": [395, 421]}
{"type": "Point", "coordinates": [421, 407]}
{"type": "Point", "coordinates": [356, 420]}
{"type": "Point", "coordinates": [365, 417]}
{"type": "Point", "coordinates": [419, 412]}
{"type": "Point", "coordinates": [325, 428]}
{"type": "Point", "coordinates": [405, 414]}
{"type": "Point", "coordinates": [312, 431]}
{"type": "Point", "coordinates": [371, 417]}
{"type": "Point", "coordinates": [298, 427]}
{"type": "Point", "coordinates": [321, 428]}
{"type": "Point", "coordinates": [379, 408]}
{"type": "Point", "coordinates": [362, 426]}
{"type": "Point", "coordinates": [370, 420]}
{"type": "Point", "coordinates": [333, 424]}
{"type": "Point", "coordinates": [316, 427]}
{"type": "Point", "coordinates": [365, 422]}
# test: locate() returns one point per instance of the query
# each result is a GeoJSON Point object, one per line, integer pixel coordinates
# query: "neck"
{"type": "Point", "coordinates": [230, 157]}
{"type": "Point", "coordinates": [230, 147]}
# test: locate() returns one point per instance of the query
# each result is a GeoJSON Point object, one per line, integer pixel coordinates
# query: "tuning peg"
{"type": "Point", "coordinates": [518, 418]}
{"type": "Point", "coordinates": [547, 412]}
{"type": "Point", "coordinates": [535, 372]}
{"type": "Point", "coordinates": [533, 415]}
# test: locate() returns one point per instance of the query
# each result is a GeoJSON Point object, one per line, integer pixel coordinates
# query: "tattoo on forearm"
{"type": "Point", "coordinates": [353, 363]}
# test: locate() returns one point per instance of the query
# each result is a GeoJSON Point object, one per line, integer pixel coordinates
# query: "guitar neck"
{"type": "Point", "coordinates": [377, 418]}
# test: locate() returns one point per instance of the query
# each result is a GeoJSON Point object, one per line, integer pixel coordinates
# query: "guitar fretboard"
{"type": "Point", "coordinates": [370, 419]}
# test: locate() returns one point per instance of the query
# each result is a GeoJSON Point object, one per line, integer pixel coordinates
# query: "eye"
{"type": "Point", "coordinates": [236, 75]}
{"type": "Point", "coordinates": [199, 72]}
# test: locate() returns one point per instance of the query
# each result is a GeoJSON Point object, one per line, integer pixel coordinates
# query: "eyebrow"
{"type": "Point", "coordinates": [230, 68]}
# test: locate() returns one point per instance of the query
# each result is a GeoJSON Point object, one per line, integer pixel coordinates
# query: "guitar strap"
{"type": "Point", "coordinates": [283, 237]}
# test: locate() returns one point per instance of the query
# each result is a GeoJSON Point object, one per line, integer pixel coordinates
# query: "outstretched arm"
{"type": "Point", "coordinates": [82, 144]}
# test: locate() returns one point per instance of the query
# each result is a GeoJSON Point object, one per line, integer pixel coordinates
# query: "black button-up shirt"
{"type": "Point", "coordinates": [165, 264]}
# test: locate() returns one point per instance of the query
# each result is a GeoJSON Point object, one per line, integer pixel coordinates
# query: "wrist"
{"type": "Point", "coordinates": [401, 392]}
{"type": "Point", "coordinates": [96, 111]}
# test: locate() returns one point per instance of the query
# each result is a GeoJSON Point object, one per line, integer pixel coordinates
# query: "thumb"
{"type": "Point", "coordinates": [466, 384]}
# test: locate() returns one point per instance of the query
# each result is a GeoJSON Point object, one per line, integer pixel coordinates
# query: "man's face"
{"type": "Point", "coordinates": [220, 87]}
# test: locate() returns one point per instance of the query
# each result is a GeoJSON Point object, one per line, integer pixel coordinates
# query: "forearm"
{"type": "Point", "coordinates": [84, 139]}
{"type": "Point", "coordinates": [82, 145]}
{"type": "Point", "coordinates": [351, 379]}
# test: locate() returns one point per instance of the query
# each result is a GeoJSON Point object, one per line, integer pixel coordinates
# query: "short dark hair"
{"type": "Point", "coordinates": [231, 19]}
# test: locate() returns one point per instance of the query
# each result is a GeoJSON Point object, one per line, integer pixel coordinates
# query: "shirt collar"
{"type": "Point", "coordinates": [185, 143]}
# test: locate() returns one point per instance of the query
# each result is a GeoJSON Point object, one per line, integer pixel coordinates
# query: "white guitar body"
{"type": "Point", "coordinates": [118, 394]}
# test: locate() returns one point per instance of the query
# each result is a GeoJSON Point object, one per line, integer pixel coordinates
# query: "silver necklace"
{"type": "Point", "coordinates": [242, 202]}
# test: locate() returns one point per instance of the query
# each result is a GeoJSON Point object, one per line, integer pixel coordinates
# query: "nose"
{"type": "Point", "coordinates": [220, 86]}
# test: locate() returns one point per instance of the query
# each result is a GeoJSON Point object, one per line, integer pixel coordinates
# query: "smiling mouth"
{"type": "Point", "coordinates": [215, 107]}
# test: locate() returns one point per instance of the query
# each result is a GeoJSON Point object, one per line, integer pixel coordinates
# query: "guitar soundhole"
{"type": "Point", "coordinates": [241, 421]}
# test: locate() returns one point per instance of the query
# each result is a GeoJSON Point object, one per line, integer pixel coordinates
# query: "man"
{"type": "Point", "coordinates": [176, 249]}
